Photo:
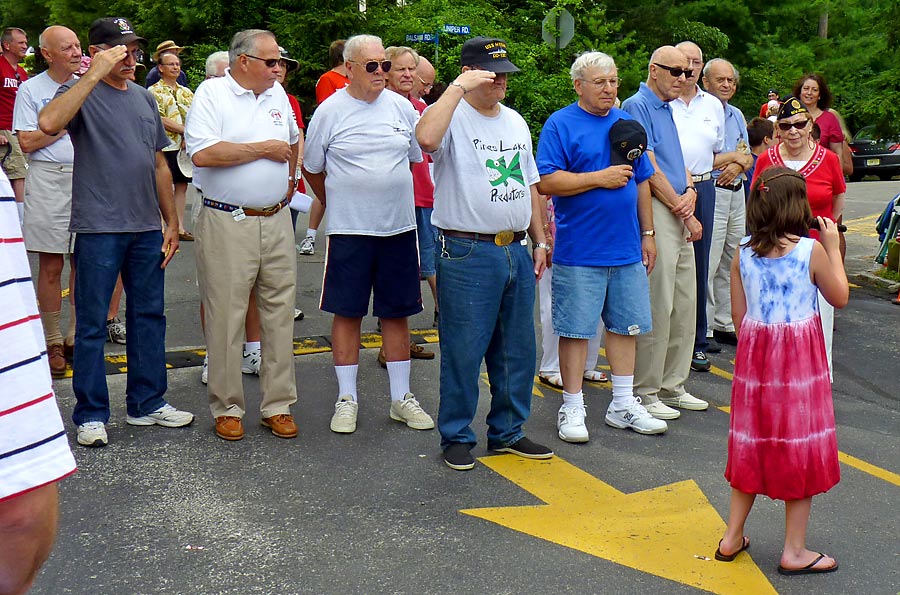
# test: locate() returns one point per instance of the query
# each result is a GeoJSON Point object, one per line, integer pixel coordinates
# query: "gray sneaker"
{"type": "Point", "coordinates": [166, 416]}
{"type": "Point", "coordinates": [115, 331]}
{"type": "Point", "coordinates": [411, 413]}
{"type": "Point", "coordinates": [92, 433]}
{"type": "Point", "coordinates": [307, 246]}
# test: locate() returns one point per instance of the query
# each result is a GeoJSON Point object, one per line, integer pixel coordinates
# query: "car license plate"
{"type": "Point", "coordinates": [873, 161]}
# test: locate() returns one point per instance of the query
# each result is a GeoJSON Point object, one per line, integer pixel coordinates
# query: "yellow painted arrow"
{"type": "Point", "coordinates": [670, 531]}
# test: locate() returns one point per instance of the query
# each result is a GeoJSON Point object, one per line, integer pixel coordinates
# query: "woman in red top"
{"type": "Point", "coordinates": [820, 167]}
{"type": "Point", "coordinates": [813, 92]}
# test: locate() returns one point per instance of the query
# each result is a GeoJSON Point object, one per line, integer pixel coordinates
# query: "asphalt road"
{"type": "Point", "coordinates": [163, 511]}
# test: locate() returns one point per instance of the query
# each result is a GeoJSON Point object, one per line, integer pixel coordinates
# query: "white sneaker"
{"type": "Point", "coordinates": [660, 410]}
{"type": "Point", "coordinates": [307, 246]}
{"type": "Point", "coordinates": [570, 423]}
{"type": "Point", "coordinates": [204, 374]}
{"type": "Point", "coordinates": [92, 433]}
{"type": "Point", "coordinates": [411, 413]}
{"type": "Point", "coordinates": [635, 417]}
{"type": "Point", "coordinates": [250, 365]}
{"type": "Point", "coordinates": [166, 416]}
{"type": "Point", "coordinates": [686, 401]}
{"type": "Point", "coordinates": [344, 419]}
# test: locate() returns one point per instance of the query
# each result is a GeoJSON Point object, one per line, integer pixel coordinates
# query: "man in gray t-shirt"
{"type": "Point", "coordinates": [121, 185]}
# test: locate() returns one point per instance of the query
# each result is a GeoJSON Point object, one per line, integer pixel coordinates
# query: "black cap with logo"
{"type": "Point", "coordinates": [487, 53]}
{"type": "Point", "coordinates": [628, 140]}
{"type": "Point", "coordinates": [113, 31]}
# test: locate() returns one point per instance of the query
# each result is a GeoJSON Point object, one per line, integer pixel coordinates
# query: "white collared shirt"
{"type": "Point", "coordinates": [225, 111]}
{"type": "Point", "coordinates": [701, 130]}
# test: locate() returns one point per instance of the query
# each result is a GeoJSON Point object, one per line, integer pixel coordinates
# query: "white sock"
{"type": "Point", "coordinates": [251, 346]}
{"type": "Point", "coordinates": [398, 374]}
{"type": "Point", "coordinates": [346, 377]}
{"type": "Point", "coordinates": [311, 233]}
{"type": "Point", "coordinates": [21, 207]}
{"type": "Point", "coordinates": [622, 390]}
{"type": "Point", "coordinates": [576, 400]}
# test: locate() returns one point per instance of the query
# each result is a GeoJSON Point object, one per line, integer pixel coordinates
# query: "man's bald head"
{"type": "Point", "coordinates": [666, 75]}
{"type": "Point", "coordinates": [425, 75]}
{"type": "Point", "coordinates": [61, 49]}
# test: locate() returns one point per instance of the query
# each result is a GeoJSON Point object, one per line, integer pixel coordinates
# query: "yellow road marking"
{"type": "Point", "coordinates": [863, 225]}
{"type": "Point", "coordinates": [669, 531]}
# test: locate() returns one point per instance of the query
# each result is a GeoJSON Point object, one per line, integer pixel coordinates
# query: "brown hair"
{"type": "Point", "coordinates": [336, 53]}
{"type": "Point", "coordinates": [777, 206]}
{"type": "Point", "coordinates": [758, 129]}
{"type": "Point", "coordinates": [825, 96]}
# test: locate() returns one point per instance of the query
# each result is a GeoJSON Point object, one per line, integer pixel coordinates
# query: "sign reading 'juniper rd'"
{"type": "Point", "coordinates": [458, 29]}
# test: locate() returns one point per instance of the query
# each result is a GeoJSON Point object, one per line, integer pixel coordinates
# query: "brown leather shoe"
{"type": "Point", "coordinates": [418, 352]}
{"type": "Point", "coordinates": [382, 360]}
{"type": "Point", "coordinates": [56, 355]}
{"type": "Point", "coordinates": [229, 427]}
{"type": "Point", "coordinates": [282, 425]}
{"type": "Point", "coordinates": [69, 351]}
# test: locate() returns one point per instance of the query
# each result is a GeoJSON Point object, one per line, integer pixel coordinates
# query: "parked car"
{"type": "Point", "coordinates": [873, 155]}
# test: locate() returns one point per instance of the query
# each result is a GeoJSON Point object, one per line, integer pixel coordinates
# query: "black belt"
{"type": "Point", "coordinates": [503, 238]}
{"type": "Point", "coordinates": [266, 212]}
{"type": "Point", "coordinates": [733, 187]}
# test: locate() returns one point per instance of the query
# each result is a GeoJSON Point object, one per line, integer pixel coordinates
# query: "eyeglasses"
{"type": "Point", "coordinates": [676, 72]}
{"type": "Point", "coordinates": [137, 54]}
{"type": "Point", "coordinates": [372, 65]}
{"type": "Point", "coordinates": [170, 64]}
{"type": "Point", "coordinates": [426, 86]}
{"type": "Point", "coordinates": [785, 126]}
{"type": "Point", "coordinates": [270, 62]}
{"type": "Point", "coordinates": [613, 82]}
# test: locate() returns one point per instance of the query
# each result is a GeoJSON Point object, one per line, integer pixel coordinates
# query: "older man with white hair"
{"type": "Point", "coordinates": [591, 160]}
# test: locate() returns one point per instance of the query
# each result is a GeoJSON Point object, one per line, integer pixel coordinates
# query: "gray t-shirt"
{"type": "Point", "coordinates": [483, 173]}
{"type": "Point", "coordinates": [31, 98]}
{"type": "Point", "coordinates": [365, 150]}
{"type": "Point", "coordinates": [116, 135]}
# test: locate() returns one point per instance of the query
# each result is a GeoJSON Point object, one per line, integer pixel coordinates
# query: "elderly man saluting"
{"type": "Point", "coordinates": [605, 241]}
{"type": "Point", "coordinates": [485, 198]}
{"type": "Point", "coordinates": [243, 141]}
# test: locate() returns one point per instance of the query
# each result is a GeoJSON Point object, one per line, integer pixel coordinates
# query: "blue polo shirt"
{"type": "Point", "coordinates": [662, 136]}
{"type": "Point", "coordinates": [735, 132]}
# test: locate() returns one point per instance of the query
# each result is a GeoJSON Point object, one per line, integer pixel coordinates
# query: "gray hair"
{"type": "Point", "coordinates": [244, 42]}
{"type": "Point", "coordinates": [214, 59]}
{"type": "Point", "coordinates": [598, 60]}
{"type": "Point", "coordinates": [7, 34]}
{"type": "Point", "coordinates": [357, 42]}
{"type": "Point", "coordinates": [395, 51]}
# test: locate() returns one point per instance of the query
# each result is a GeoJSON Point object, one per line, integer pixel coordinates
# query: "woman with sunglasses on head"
{"type": "Point", "coordinates": [813, 92]}
{"type": "Point", "coordinates": [821, 169]}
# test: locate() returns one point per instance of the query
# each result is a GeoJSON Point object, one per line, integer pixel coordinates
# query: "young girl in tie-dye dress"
{"type": "Point", "coordinates": [782, 440]}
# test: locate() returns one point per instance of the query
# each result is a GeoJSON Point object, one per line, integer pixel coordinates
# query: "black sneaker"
{"type": "Point", "coordinates": [457, 456]}
{"type": "Point", "coordinates": [725, 337]}
{"type": "Point", "coordinates": [437, 316]}
{"type": "Point", "coordinates": [712, 346]}
{"type": "Point", "coordinates": [528, 449]}
{"type": "Point", "coordinates": [699, 363]}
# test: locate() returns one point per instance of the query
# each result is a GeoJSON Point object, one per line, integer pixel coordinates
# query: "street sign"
{"type": "Point", "coordinates": [457, 29]}
{"type": "Point", "coordinates": [558, 28]}
{"type": "Point", "coordinates": [421, 37]}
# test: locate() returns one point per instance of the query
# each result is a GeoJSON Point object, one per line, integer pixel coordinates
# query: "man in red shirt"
{"type": "Point", "coordinates": [14, 45]}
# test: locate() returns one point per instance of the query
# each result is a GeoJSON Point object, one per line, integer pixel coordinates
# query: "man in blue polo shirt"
{"type": "Point", "coordinates": [663, 358]}
{"type": "Point", "coordinates": [604, 241]}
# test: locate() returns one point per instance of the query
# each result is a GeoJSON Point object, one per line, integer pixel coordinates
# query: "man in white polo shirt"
{"type": "Point", "coordinates": [243, 141]}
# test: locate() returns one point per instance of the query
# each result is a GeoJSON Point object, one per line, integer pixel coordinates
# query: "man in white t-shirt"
{"type": "Point", "coordinates": [48, 188]}
{"type": "Point", "coordinates": [243, 141]}
{"type": "Point", "coordinates": [485, 200]}
{"type": "Point", "coordinates": [357, 157]}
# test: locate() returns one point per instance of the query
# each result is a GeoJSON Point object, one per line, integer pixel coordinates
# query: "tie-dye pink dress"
{"type": "Point", "coordinates": [782, 440]}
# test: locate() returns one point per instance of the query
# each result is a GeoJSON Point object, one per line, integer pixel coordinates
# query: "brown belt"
{"type": "Point", "coordinates": [503, 238]}
{"type": "Point", "coordinates": [266, 212]}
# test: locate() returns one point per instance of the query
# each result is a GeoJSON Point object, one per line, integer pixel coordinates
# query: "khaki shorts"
{"type": "Point", "coordinates": [48, 207]}
{"type": "Point", "coordinates": [15, 165]}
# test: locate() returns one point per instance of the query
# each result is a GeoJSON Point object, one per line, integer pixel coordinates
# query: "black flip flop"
{"type": "Point", "coordinates": [808, 569]}
{"type": "Point", "coordinates": [745, 543]}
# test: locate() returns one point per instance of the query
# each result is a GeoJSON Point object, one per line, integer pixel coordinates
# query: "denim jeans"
{"type": "Point", "coordinates": [486, 293]}
{"type": "Point", "coordinates": [705, 211]}
{"type": "Point", "coordinates": [99, 257]}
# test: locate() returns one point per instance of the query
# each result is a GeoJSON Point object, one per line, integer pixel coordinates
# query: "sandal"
{"type": "Point", "coordinates": [810, 568]}
{"type": "Point", "coordinates": [745, 543]}
{"type": "Point", "coordinates": [595, 376]}
{"type": "Point", "coordinates": [553, 379]}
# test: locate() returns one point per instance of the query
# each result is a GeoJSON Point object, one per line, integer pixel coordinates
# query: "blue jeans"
{"type": "Point", "coordinates": [486, 293]}
{"type": "Point", "coordinates": [99, 257]}
{"type": "Point", "coordinates": [705, 211]}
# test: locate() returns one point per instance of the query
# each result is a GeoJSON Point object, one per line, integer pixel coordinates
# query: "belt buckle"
{"type": "Point", "coordinates": [504, 238]}
{"type": "Point", "coordinates": [272, 209]}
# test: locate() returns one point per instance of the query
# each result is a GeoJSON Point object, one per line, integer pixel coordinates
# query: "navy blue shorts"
{"type": "Point", "coordinates": [358, 266]}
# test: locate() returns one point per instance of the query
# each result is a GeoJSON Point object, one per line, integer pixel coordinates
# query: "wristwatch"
{"type": "Point", "coordinates": [543, 245]}
{"type": "Point", "coordinates": [649, 232]}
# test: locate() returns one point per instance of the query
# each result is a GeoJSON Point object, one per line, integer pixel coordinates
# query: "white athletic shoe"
{"type": "Point", "coordinates": [570, 423]}
{"type": "Point", "coordinates": [204, 374]}
{"type": "Point", "coordinates": [166, 416]}
{"type": "Point", "coordinates": [636, 417]}
{"type": "Point", "coordinates": [307, 246]}
{"type": "Point", "coordinates": [411, 413]}
{"type": "Point", "coordinates": [344, 419]}
{"type": "Point", "coordinates": [660, 410]}
{"type": "Point", "coordinates": [250, 365]}
{"type": "Point", "coordinates": [92, 433]}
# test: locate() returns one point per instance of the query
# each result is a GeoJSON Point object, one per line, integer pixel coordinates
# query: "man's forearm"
{"type": "Point", "coordinates": [34, 140]}
{"type": "Point", "coordinates": [58, 113]}
{"type": "Point", "coordinates": [317, 183]}
{"type": "Point", "coordinates": [224, 154]}
{"type": "Point", "coordinates": [165, 191]}
{"type": "Point", "coordinates": [564, 183]}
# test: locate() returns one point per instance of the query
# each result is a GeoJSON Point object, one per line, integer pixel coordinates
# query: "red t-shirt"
{"type": "Point", "coordinates": [328, 83]}
{"type": "Point", "coordinates": [9, 86]}
{"type": "Point", "coordinates": [298, 117]}
{"type": "Point", "coordinates": [829, 129]}
{"type": "Point", "coordinates": [824, 178]}
{"type": "Point", "coordinates": [423, 186]}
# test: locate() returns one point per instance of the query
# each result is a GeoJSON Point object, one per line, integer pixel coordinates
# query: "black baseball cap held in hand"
{"type": "Point", "coordinates": [113, 31]}
{"type": "Point", "coordinates": [487, 53]}
{"type": "Point", "coordinates": [628, 140]}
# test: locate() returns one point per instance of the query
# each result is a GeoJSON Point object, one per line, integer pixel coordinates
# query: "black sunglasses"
{"type": "Point", "coordinates": [270, 63]}
{"type": "Point", "coordinates": [676, 72]}
{"type": "Point", "coordinates": [785, 126]}
{"type": "Point", "coordinates": [372, 65]}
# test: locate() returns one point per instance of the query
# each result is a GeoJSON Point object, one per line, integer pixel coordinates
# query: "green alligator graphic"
{"type": "Point", "coordinates": [499, 173]}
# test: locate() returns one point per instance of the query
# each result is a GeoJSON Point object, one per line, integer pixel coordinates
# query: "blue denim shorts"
{"type": "Point", "coordinates": [582, 294]}
{"type": "Point", "coordinates": [427, 236]}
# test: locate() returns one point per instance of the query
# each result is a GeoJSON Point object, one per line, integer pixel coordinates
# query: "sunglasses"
{"type": "Point", "coordinates": [676, 72]}
{"type": "Point", "coordinates": [785, 126]}
{"type": "Point", "coordinates": [270, 62]}
{"type": "Point", "coordinates": [372, 65]}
